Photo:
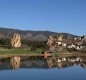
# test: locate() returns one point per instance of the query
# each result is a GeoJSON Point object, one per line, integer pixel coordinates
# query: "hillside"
{"type": "Point", "coordinates": [28, 34]}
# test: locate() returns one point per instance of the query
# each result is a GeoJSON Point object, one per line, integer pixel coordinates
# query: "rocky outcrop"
{"type": "Point", "coordinates": [16, 40]}
{"type": "Point", "coordinates": [50, 41]}
{"type": "Point", "coordinates": [60, 38]}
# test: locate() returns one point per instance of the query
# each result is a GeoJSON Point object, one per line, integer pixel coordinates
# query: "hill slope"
{"type": "Point", "coordinates": [28, 34]}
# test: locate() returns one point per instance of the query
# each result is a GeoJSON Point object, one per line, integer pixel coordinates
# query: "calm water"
{"type": "Point", "coordinates": [70, 68]}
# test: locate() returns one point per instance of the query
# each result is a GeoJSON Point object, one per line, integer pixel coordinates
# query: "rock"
{"type": "Point", "coordinates": [60, 38]}
{"type": "Point", "coordinates": [50, 41]}
{"type": "Point", "coordinates": [16, 40]}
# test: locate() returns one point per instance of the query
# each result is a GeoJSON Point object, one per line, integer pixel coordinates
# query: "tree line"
{"type": "Point", "coordinates": [30, 43]}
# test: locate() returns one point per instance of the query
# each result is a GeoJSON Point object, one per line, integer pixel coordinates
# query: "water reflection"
{"type": "Point", "coordinates": [15, 62]}
{"type": "Point", "coordinates": [51, 62]}
{"type": "Point", "coordinates": [36, 68]}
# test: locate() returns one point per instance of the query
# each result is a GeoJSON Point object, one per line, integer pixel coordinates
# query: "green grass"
{"type": "Point", "coordinates": [19, 51]}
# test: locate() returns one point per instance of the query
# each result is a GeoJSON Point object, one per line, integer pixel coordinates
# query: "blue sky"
{"type": "Point", "coordinates": [53, 15]}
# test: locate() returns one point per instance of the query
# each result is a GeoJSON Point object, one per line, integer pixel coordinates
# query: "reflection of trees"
{"type": "Point", "coordinates": [40, 63]}
{"type": "Point", "coordinates": [50, 62]}
{"type": "Point", "coordinates": [4, 63]}
{"type": "Point", "coordinates": [83, 64]}
{"type": "Point", "coordinates": [34, 64]}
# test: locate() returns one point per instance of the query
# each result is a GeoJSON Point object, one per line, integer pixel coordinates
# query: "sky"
{"type": "Point", "coordinates": [67, 16]}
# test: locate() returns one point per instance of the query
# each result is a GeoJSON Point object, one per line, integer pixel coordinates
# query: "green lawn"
{"type": "Point", "coordinates": [19, 51]}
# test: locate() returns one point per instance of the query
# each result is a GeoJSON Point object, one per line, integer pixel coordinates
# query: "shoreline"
{"type": "Point", "coordinates": [41, 55]}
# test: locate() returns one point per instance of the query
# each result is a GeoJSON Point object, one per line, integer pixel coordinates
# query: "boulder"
{"type": "Point", "coordinates": [60, 38]}
{"type": "Point", "coordinates": [16, 40]}
{"type": "Point", "coordinates": [50, 41]}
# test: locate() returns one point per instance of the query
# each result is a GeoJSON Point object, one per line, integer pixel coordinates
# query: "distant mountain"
{"type": "Point", "coordinates": [30, 35]}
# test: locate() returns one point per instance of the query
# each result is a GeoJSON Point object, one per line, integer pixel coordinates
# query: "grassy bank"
{"type": "Point", "coordinates": [25, 52]}
{"type": "Point", "coordinates": [19, 51]}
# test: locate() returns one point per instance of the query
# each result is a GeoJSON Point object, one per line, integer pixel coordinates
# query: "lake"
{"type": "Point", "coordinates": [68, 68]}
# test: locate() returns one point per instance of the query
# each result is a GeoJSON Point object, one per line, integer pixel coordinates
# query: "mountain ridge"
{"type": "Point", "coordinates": [30, 34]}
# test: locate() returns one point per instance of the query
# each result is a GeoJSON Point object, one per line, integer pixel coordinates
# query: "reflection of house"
{"type": "Point", "coordinates": [60, 62]}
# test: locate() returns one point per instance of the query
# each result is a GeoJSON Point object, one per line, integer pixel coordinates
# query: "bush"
{"type": "Point", "coordinates": [33, 48]}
